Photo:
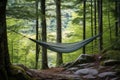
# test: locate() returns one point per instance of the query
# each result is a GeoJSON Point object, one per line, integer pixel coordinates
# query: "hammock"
{"type": "Point", "coordinates": [65, 47]}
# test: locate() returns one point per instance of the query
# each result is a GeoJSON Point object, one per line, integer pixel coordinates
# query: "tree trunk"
{"type": "Point", "coordinates": [84, 23]}
{"type": "Point", "coordinates": [116, 23]}
{"type": "Point", "coordinates": [109, 22]}
{"type": "Point", "coordinates": [37, 46]}
{"type": "Point", "coordinates": [92, 22]}
{"type": "Point", "coordinates": [4, 55]}
{"type": "Point", "coordinates": [100, 25]}
{"type": "Point", "coordinates": [44, 35]}
{"type": "Point", "coordinates": [59, 31]}
{"type": "Point", "coordinates": [118, 17]}
{"type": "Point", "coordinates": [95, 20]}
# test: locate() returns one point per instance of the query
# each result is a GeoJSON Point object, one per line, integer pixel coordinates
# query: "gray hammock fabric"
{"type": "Point", "coordinates": [65, 47]}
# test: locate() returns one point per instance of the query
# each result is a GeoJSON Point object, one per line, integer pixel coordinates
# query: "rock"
{"type": "Point", "coordinates": [73, 69]}
{"type": "Point", "coordinates": [81, 72]}
{"type": "Point", "coordinates": [85, 65]}
{"type": "Point", "coordinates": [111, 62]}
{"type": "Point", "coordinates": [85, 58]}
{"type": "Point", "coordinates": [107, 74]}
{"type": "Point", "coordinates": [29, 73]}
{"type": "Point", "coordinates": [93, 71]}
{"type": "Point", "coordinates": [101, 67]}
{"type": "Point", "coordinates": [22, 66]}
{"type": "Point", "coordinates": [117, 78]}
{"type": "Point", "coordinates": [67, 64]}
{"type": "Point", "coordinates": [89, 76]}
{"type": "Point", "coordinates": [16, 70]}
{"type": "Point", "coordinates": [86, 71]}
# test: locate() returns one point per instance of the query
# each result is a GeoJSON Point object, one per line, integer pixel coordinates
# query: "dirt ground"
{"type": "Point", "coordinates": [86, 71]}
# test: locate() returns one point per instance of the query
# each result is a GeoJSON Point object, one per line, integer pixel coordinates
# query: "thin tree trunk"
{"type": "Point", "coordinates": [109, 24]}
{"type": "Point", "coordinates": [119, 17]}
{"type": "Point", "coordinates": [100, 25]}
{"type": "Point", "coordinates": [92, 22]}
{"type": "Point", "coordinates": [44, 35]}
{"type": "Point", "coordinates": [37, 46]}
{"type": "Point", "coordinates": [84, 24]}
{"type": "Point", "coordinates": [59, 30]}
{"type": "Point", "coordinates": [116, 23]}
{"type": "Point", "coordinates": [95, 20]}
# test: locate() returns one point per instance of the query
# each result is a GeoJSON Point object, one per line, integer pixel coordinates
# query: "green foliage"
{"type": "Point", "coordinates": [21, 49]}
{"type": "Point", "coordinates": [116, 44]}
{"type": "Point", "coordinates": [112, 54]}
{"type": "Point", "coordinates": [71, 56]}
{"type": "Point", "coordinates": [29, 0]}
{"type": "Point", "coordinates": [21, 10]}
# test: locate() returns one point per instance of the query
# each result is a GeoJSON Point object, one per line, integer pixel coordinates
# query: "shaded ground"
{"type": "Point", "coordinates": [95, 70]}
{"type": "Point", "coordinates": [53, 74]}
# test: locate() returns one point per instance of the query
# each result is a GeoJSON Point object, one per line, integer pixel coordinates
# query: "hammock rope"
{"type": "Point", "coordinates": [62, 47]}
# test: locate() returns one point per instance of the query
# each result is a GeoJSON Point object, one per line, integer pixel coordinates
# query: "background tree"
{"type": "Point", "coordinates": [59, 30]}
{"type": "Point", "coordinates": [44, 34]}
{"type": "Point", "coordinates": [100, 24]}
{"type": "Point", "coordinates": [95, 19]}
{"type": "Point", "coordinates": [84, 24]}
{"type": "Point", "coordinates": [92, 33]}
{"type": "Point", "coordinates": [116, 14]}
{"type": "Point", "coordinates": [37, 26]}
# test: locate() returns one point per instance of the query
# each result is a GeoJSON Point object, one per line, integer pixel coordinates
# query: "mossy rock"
{"type": "Point", "coordinates": [110, 62]}
{"type": "Point", "coordinates": [18, 73]}
{"type": "Point", "coordinates": [85, 58]}
{"type": "Point", "coordinates": [16, 69]}
{"type": "Point", "coordinates": [111, 54]}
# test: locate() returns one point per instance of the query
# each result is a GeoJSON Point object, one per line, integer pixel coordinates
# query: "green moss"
{"type": "Point", "coordinates": [112, 54]}
{"type": "Point", "coordinates": [18, 73]}
{"type": "Point", "coordinates": [16, 69]}
{"type": "Point", "coordinates": [116, 44]}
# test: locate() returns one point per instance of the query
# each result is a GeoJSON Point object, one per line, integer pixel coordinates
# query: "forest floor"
{"type": "Point", "coordinates": [96, 70]}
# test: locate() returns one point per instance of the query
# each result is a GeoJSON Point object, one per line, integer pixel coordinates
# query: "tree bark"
{"type": "Point", "coordinates": [44, 35]}
{"type": "Point", "coordinates": [37, 46]}
{"type": "Point", "coordinates": [84, 24]}
{"type": "Point", "coordinates": [100, 25]}
{"type": "Point", "coordinates": [118, 17]}
{"type": "Point", "coordinates": [116, 23]}
{"type": "Point", "coordinates": [109, 21]}
{"type": "Point", "coordinates": [59, 30]}
{"type": "Point", "coordinates": [4, 55]}
{"type": "Point", "coordinates": [92, 23]}
{"type": "Point", "coordinates": [95, 20]}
